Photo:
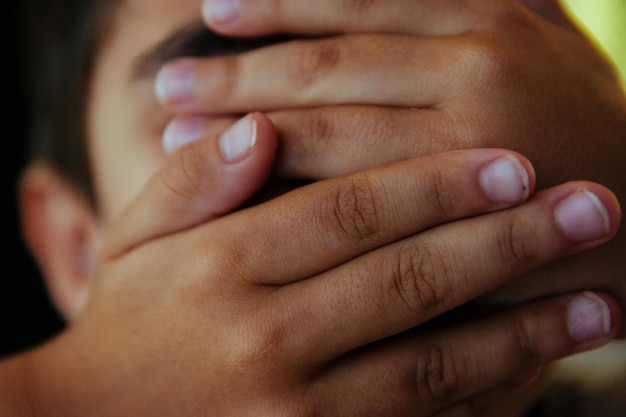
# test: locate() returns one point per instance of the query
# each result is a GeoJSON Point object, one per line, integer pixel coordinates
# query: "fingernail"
{"type": "Point", "coordinates": [588, 318]}
{"type": "Point", "coordinates": [237, 142]}
{"type": "Point", "coordinates": [582, 217]}
{"type": "Point", "coordinates": [174, 82]}
{"type": "Point", "coordinates": [180, 132]}
{"type": "Point", "coordinates": [506, 180]}
{"type": "Point", "coordinates": [221, 11]}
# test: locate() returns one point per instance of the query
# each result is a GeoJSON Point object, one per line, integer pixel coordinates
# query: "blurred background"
{"type": "Point", "coordinates": [26, 316]}
{"type": "Point", "coordinates": [604, 21]}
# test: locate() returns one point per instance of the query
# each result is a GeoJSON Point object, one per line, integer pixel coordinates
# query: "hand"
{"type": "Point", "coordinates": [418, 78]}
{"type": "Point", "coordinates": [304, 305]}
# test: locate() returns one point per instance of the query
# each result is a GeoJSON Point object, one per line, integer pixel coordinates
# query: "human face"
{"type": "Point", "coordinates": [124, 119]}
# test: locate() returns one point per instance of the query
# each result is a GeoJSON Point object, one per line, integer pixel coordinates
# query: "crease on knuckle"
{"type": "Point", "coordinates": [442, 193]}
{"type": "Point", "coordinates": [518, 243]}
{"type": "Point", "coordinates": [437, 375]}
{"type": "Point", "coordinates": [185, 177]}
{"type": "Point", "coordinates": [229, 70]}
{"type": "Point", "coordinates": [527, 349]}
{"type": "Point", "coordinates": [355, 209]}
{"type": "Point", "coordinates": [314, 62]}
{"type": "Point", "coordinates": [318, 132]}
{"type": "Point", "coordinates": [417, 280]}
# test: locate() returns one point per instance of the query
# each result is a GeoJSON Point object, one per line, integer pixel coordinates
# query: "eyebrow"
{"type": "Point", "coordinates": [195, 40]}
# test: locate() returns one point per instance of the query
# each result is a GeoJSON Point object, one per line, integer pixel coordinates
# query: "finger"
{"type": "Point", "coordinates": [409, 282]}
{"type": "Point", "coordinates": [426, 372]}
{"type": "Point", "coordinates": [495, 402]}
{"type": "Point", "coordinates": [345, 217]}
{"type": "Point", "coordinates": [186, 129]}
{"type": "Point", "coordinates": [430, 17]}
{"type": "Point", "coordinates": [330, 141]}
{"type": "Point", "coordinates": [397, 70]}
{"type": "Point", "coordinates": [200, 181]}
{"type": "Point", "coordinates": [425, 17]}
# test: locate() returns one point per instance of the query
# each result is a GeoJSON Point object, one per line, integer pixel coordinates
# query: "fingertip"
{"type": "Point", "coordinates": [266, 130]}
{"type": "Point", "coordinates": [593, 319]}
{"type": "Point", "coordinates": [610, 201]}
{"type": "Point", "coordinates": [238, 19]}
{"type": "Point", "coordinates": [255, 136]}
{"type": "Point", "coordinates": [588, 214]}
{"type": "Point", "coordinates": [506, 180]}
{"type": "Point", "coordinates": [238, 141]}
{"type": "Point", "coordinates": [221, 14]}
{"type": "Point", "coordinates": [615, 313]}
{"type": "Point", "coordinates": [174, 83]}
{"type": "Point", "coordinates": [180, 132]}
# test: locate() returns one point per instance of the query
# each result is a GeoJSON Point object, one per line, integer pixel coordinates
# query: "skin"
{"type": "Point", "coordinates": [303, 305]}
{"type": "Point", "coordinates": [443, 76]}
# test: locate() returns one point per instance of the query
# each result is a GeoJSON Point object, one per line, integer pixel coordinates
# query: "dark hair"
{"type": "Point", "coordinates": [60, 39]}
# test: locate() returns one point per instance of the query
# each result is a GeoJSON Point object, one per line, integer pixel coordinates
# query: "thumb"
{"type": "Point", "coordinates": [201, 181]}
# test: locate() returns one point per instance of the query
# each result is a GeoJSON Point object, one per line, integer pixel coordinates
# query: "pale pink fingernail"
{"type": "Point", "coordinates": [506, 180]}
{"type": "Point", "coordinates": [582, 217]}
{"type": "Point", "coordinates": [175, 81]}
{"type": "Point", "coordinates": [221, 11]}
{"type": "Point", "coordinates": [180, 132]}
{"type": "Point", "coordinates": [588, 318]}
{"type": "Point", "coordinates": [237, 142]}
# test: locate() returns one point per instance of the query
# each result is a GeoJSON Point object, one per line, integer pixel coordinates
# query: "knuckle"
{"type": "Point", "coordinates": [259, 345]}
{"type": "Point", "coordinates": [318, 132]}
{"type": "Point", "coordinates": [313, 62]}
{"type": "Point", "coordinates": [354, 211]}
{"type": "Point", "coordinates": [184, 177]}
{"type": "Point", "coordinates": [231, 260]}
{"type": "Point", "coordinates": [517, 242]}
{"type": "Point", "coordinates": [418, 279]}
{"type": "Point", "coordinates": [527, 349]}
{"type": "Point", "coordinates": [229, 70]}
{"type": "Point", "coordinates": [438, 375]}
{"type": "Point", "coordinates": [442, 192]}
{"type": "Point", "coordinates": [484, 63]}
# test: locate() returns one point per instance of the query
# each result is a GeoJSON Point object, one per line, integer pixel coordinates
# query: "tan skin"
{"type": "Point", "coordinates": [445, 75]}
{"type": "Point", "coordinates": [294, 306]}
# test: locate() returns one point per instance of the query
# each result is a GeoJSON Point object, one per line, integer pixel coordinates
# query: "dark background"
{"type": "Point", "coordinates": [26, 316]}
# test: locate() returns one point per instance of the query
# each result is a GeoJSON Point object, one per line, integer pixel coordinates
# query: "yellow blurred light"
{"type": "Point", "coordinates": [604, 20]}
